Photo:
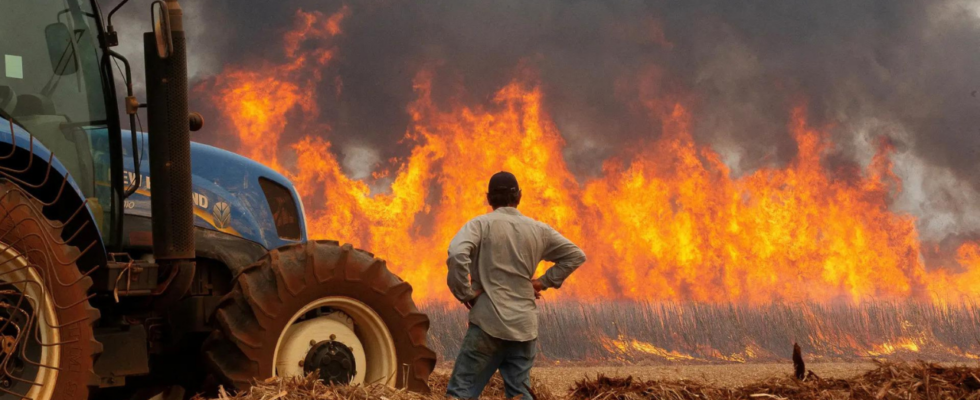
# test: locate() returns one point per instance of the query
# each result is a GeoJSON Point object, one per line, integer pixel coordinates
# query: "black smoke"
{"type": "Point", "coordinates": [905, 69]}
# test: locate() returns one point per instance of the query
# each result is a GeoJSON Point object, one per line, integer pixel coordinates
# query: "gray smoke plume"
{"type": "Point", "coordinates": [904, 69]}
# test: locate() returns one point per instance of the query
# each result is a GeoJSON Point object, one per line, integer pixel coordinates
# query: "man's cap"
{"type": "Point", "coordinates": [503, 181]}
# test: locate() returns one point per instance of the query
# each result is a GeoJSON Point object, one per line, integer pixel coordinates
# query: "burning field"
{"type": "Point", "coordinates": [696, 254]}
{"type": "Point", "coordinates": [666, 220]}
{"type": "Point", "coordinates": [632, 333]}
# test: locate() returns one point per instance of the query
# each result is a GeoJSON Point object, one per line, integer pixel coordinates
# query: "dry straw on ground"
{"type": "Point", "coordinates": [311, 389]}
{"type": "Point", "coordinates": [909, 381]}
{"type": "Point", "coordinates": [891, 381]}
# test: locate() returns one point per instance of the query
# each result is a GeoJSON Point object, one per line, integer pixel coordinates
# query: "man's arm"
{"type": "Point", "coordinates": [460, 249]}
{"type": "Point", "coordinates": [566, 256]}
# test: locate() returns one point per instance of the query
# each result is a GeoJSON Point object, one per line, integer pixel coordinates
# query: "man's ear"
{"type": "Point", "coordinates": [517, 199]}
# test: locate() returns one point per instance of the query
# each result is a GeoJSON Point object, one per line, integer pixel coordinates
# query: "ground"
{"type": "Point", "coordinates": [912, 380]}
{"type": "Point", "coordinates": [560, 379]}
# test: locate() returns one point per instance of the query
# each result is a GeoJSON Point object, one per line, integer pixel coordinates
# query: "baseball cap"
{"type": "Point", "coordinates": [503, 181]}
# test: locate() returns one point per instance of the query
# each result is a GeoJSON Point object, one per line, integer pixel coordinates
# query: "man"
{"type": "Point", "coordinates": [500, 251]}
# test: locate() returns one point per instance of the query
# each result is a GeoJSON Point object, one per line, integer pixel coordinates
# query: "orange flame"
{"type": "Point", "coordinates": [665, 220]}
{"type": "Point", "coordinates": [627, 347]}
{"type": "Point", "coordinates": [257, 101]}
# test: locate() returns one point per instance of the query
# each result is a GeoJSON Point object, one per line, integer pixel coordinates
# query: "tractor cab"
{"type": "Point", "coordinates": [54, 89]}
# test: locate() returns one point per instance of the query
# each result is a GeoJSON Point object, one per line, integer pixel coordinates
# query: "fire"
{"type": "Point", "coordinates": [967, 281]}
{"type": "Point", "coordinates": [886, 348]}
{"type": "Point", "coordinates": [259, 99]}
{"type": "Point", "coordinates": [630, 347]}
{"type": "Point", "coordinates": [665, 221]}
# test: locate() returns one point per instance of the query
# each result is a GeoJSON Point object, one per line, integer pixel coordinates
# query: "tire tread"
{"type": "Point", "coordinates": [265, 295]}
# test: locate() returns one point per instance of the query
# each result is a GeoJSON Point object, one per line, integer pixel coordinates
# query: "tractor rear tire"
{"type": "Point", "coordinates": [266, 297]}
{"type": "Point", "coordinates": [39, 276]}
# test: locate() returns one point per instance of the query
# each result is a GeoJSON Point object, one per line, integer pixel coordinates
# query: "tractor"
{"type": "Point", "coordinates": [138, 265]}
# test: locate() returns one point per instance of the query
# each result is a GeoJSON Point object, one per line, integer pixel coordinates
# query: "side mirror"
{"type": "Point", "coordinates": [161, 29]}
{"type": "Point", "coordinates": [61, 49]}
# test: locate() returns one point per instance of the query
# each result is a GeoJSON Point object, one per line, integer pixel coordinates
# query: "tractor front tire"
{"type": "Point", "coordinates": [306, 281]}
{"type": "Point", "coordinates": [46, 320]}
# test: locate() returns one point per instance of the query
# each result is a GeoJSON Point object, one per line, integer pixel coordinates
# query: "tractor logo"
{"type": "Point", "coordinates": [222, 215]}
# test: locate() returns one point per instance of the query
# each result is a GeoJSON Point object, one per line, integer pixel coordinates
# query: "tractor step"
{"type": "Point", "coordinates": [124, 354]}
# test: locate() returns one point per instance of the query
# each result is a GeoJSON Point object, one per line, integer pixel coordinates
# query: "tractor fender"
{"type": "Point", "coordinates": [28, 163]}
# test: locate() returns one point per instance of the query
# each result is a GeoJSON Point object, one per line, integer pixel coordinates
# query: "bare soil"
{"type": "Point", "coordinates": [559, 379]}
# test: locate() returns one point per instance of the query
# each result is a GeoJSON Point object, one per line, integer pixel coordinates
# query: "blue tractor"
{"type": "Point", "coordinates": [135, 265]}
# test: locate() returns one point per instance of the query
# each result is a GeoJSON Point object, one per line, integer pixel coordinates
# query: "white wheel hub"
{"type": "Point", "coordinates": [349, 323]}
{"type": "Point", "coordinates": [300, 338]}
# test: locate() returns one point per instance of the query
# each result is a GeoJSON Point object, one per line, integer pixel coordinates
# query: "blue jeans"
{"type": "Point", "coordinates": [481, 355]}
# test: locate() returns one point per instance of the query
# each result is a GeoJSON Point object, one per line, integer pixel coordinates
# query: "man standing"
{"type": "Point", "coordinates": [500, 252]}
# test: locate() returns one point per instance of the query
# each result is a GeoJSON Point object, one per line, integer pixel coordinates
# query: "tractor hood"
{"type": "Point", "coordinates": [232, 194]}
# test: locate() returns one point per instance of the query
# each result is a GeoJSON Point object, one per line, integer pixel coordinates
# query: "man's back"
{"type": "Point", "coordinates": [501, 250]}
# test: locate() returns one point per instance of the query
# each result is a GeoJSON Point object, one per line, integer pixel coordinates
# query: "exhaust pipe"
{"type": "Point", "coordinates": [170, 161]}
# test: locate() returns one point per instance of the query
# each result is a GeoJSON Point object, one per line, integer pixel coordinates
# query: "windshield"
{"type": "Point", "coordinates": [51, 86]}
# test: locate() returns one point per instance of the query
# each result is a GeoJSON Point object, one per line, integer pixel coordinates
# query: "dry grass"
{"type": "Point", "coordinates": [908, 381]}
{"type": "Point", "coordinates": [312, 389]}
{"type": "Point", "coordinates": [888, 380]}
{"type": "Point", "coordinates": [562, 379]}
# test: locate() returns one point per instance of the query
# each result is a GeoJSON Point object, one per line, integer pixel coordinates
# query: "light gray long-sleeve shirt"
{"type": "Point", "coordinates": [501, 251]}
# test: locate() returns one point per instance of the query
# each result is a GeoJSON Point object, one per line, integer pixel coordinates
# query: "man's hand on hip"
{"type": "Point", "coordinates": [538, 287]}
{"type": "Point", "coordinates": [476, 295]}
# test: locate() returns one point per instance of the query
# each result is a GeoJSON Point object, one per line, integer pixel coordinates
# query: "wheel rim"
{"type": "Point", "coordinates": [317, 322]}
{"type": "Point", "coordinates": [31, 365]}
